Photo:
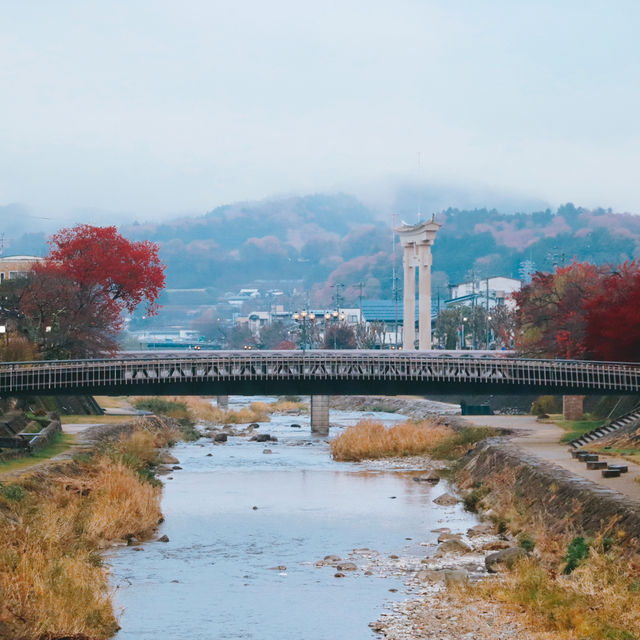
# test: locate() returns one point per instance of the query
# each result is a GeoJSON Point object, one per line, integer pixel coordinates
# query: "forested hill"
{"type": "Point", "coordinates": [324, 239]}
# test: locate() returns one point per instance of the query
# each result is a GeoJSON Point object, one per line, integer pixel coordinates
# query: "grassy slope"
{"type": "Point", "coordinates": [575, 428]}
{"type": "Point", "coordinates": [60, 443]}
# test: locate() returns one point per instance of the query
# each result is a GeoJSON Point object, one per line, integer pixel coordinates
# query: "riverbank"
{"type": "Point", "coordinates": [574, 547]}
{"type": "Point", "coordinates": [56, 517]}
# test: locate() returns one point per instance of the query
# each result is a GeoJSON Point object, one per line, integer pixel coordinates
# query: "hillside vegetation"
{"type": "Point", "coordinates": [319, 240]}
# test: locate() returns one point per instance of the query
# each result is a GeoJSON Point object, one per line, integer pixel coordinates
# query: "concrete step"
{"type": "Point", "coordinates": [622, 468]}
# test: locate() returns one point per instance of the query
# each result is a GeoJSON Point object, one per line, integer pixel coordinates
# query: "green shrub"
{"type": "Point", "coordinates": [171, 408]}
{"type": "Point", "coordinates": [472, 500]}
{"type": "Point", "coordinates": [577, 551]}
{"type": "Point", "coordinates": [526, 543]}
{"type": "Point", "coordinates": [546, 405]}
{"type": "Point", "coordinates": [13, 492]}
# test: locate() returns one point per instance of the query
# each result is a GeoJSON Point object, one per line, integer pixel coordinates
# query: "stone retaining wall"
{"type": "Point", "coordinates": [45, 436]}
{"type": "Point", "coordinates": [552, 492]}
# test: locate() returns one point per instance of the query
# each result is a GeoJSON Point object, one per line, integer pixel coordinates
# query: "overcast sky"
{"type": "Point", "coordinates": [157, 107]}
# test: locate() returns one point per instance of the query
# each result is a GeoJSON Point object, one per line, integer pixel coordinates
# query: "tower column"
{"type": "Point", "coordinates": [424, 297]}
{"type": "Point", "coordinates": [416, 241]}
{"type": "Point", "coordinates": [409, 322]}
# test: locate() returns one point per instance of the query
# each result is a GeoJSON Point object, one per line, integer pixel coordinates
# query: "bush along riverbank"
{"type": "Point", "coordinates": [55, 521]}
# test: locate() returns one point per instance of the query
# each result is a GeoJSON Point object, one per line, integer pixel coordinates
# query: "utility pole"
{"type": "Point", "coordinates": [361, 285]}
{"type": "Point", "coordinates": [394, 277]}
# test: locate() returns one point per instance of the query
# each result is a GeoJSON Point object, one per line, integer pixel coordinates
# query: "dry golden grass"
{"type": "Point", "coordinates": [202, 408]}
{"type": "Point", "coordinates": [52, 526]}
{"type": "Point", "coordinates": [599, 600]}
{"type": "Point", "coordinates": [370, 439]}
{"type": "Point", "coordinates": [121, 503]}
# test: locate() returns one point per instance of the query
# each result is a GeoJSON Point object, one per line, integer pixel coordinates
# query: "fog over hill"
{"type": "Point", "coordinates": [323, 239]}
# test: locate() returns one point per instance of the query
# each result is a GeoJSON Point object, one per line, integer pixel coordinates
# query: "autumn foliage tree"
{"type": "Point", "coordinates": [581, 311]}
{"type": "Point", "coordinates": [613, 327]}
{"type": "Point", "coordinates": [76, 296]}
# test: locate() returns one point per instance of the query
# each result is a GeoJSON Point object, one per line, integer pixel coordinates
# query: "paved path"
{"type": "Point", "coordinates": [543, 440]}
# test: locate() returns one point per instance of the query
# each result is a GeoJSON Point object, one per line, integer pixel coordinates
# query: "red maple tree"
{"type": "Point", "coordinates": [613, 327]}
{"type": "Point", "coordinates": [552, 316]}
{"type": "Point", "coordinates": [99, 259]}
{"type": "Point", "coordinates": [76, 295]}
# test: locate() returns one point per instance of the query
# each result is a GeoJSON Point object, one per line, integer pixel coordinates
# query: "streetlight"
{"type": "Point", "coordinates": [332, 317]}
{"type": "Point", "coordinates": [462, 340]}
{"type": "Point", "coordinates": [302, 318]}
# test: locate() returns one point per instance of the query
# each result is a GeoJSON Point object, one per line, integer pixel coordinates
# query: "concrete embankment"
{"type": "Point", "coordinates": [551, 492]}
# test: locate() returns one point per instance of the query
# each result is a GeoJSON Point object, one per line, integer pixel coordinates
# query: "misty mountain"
{"type": "Point", "coordinates": [323, 239]}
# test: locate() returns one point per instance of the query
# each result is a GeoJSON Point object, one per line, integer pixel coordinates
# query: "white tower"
{"type": "Point", "coordinates": [416, 241]}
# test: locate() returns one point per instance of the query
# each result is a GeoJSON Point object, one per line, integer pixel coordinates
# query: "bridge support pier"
{"type": "Point", "coordinates": [572, 407]}
{"type": "Point", "coordinates": [222, 402]}
{"type": "Point", "coordinates": [320, 415]}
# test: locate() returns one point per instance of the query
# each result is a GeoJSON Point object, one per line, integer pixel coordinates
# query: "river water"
{"type": "Point", "coordinates": [218, 576]}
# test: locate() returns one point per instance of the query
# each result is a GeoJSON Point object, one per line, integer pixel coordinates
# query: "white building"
{"type": "Point", "coordinates": [497, 290]}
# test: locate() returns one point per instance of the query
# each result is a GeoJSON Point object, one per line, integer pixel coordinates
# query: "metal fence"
{"type": "Point", "coordinates": [139, 373]}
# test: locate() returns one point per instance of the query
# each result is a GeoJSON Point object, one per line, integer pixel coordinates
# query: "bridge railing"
{"type": "Point", "coordinates": [132, 372]}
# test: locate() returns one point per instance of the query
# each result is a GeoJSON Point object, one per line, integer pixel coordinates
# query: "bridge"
{"type": "Point", "coordinates": [316, 373]}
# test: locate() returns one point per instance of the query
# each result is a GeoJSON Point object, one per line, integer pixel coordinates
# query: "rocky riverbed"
{"type": "Point", "coordinates": [435, 573]}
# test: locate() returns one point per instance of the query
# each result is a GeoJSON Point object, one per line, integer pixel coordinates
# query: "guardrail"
{"type": "Point", "coordinates": [351, 370]}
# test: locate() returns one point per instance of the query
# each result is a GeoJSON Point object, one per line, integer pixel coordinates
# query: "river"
{"type": "Point", "coordinates": [245, 529]}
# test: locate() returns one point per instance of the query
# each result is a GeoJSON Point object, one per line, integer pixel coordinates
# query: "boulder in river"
{"type": "Point", "coordinates": [330, 561]}
{"type": "Point", "coordinates": [346, 566]}
{"type": "Point", "coordinates": [452, 546]}
{"type": "Point", "coordinates": [263, 437]}
{"type": "Point", "coordinates": [431, 478]}
{"type": "Point", "coordinates": [504, 559]}
{"type": "Point", "coordinates": [455, 576]}
{"type": "Point", "coordinates": [446, 500]}
{"type": "Point", "coordinates": [220, 437]}
{"type": "Point", "coordinates": [167, 458]}
{"type": "Point", "coordinates": [482, 529]}
{"type": "Point", "coordinates": [443, 537]}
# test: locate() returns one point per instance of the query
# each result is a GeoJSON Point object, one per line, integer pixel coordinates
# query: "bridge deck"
{"type": "Point", "coordinates": [319, 372]}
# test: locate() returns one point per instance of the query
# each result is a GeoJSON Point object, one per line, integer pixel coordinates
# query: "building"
{"type": "Point", "coordinates": [12, 267]}
{"type": "Point", "coordinates": [387, 318]}
{"type": "Point", "coordinates": [487, 292]}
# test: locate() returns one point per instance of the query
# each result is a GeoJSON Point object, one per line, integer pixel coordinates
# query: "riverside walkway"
{"type": "Point", "coordinates": [316, 372]}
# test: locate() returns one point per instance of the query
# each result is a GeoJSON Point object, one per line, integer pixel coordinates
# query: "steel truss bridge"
{"type": "Point", "coordinates": [315, 373]}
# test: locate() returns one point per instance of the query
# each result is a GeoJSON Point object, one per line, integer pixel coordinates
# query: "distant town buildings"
{"type": "Point", "coordinates": [487, 292]}
{"type": "Point", "coordinates": [378, 322]}
{"type": "Point", "coordinates": [12, 267]}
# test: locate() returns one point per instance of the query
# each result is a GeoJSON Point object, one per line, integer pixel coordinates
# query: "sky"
{"type": "Point", "coordinates": [153, 108]}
